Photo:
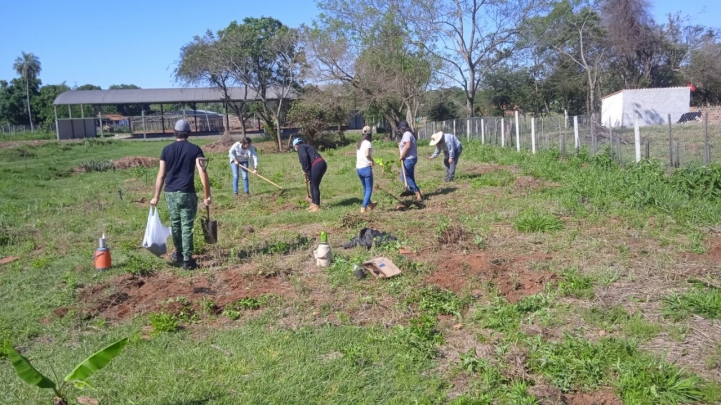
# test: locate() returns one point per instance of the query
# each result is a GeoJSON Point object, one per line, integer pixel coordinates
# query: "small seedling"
{"type": "Point", "coordinates": [78, 377]}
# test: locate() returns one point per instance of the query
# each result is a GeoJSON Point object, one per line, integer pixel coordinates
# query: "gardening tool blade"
{"type": "Point", "coordinates": [210, 228]}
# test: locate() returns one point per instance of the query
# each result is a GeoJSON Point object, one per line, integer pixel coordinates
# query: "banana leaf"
{"type": "Point", "coordinates": [26, 371]}
{"type": "Point", "coordinates": [95, 362]}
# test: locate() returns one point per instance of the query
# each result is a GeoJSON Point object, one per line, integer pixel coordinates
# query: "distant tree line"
{"type": "Point", "coordinates": [398, 60]}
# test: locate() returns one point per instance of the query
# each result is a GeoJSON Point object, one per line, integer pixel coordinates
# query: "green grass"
{"type": "Point", "coordinates": [531, 220]}
{"type": "Point", "coordinates": [703, 302]}
{"type": "Point", "coordinates": [27, 136]}
{"type": "Point", "coordinates": [336, 339]}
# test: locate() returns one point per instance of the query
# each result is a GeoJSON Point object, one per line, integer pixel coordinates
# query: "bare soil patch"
{"type": "Point", "coordinates": [128, 295]}
{"type": "Point", "coordinates": [593, 398]}
{"type": "Point", "coordinates": [135, 161]}
{"type": "Point", "coordinates": [533, 183]}
{"type": "Point", "coordinates": [453, 235]}
{"type": "Point", "coordinates": [513, 277]}
{"type": "Point", "coordinates": [9, 259]}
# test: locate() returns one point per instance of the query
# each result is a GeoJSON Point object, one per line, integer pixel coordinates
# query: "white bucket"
{"type": "Point", "coordinates": [323, 256]}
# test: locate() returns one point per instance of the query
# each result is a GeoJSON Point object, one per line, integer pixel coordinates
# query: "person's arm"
{"type": "Point", "coordinates": [159, 181]}
{"type": "Point", "coordinates": [204, 180]}
{"type": "Point", "coordinates": [451, 149]}
{"type": "Point", "coordinates": [435, 154]}
{"type": "Point", "coordinates": [254, 154]}
{"type": "Point", "coordinates": [406, 146]}
{"type": "Point", "coordinates": [304, 159]}
{"type": "Point", "coordinates": [234, 153]}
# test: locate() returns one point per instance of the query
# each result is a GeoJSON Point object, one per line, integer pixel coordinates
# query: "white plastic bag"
{"type": "Point", "coordinates": [156, 234]}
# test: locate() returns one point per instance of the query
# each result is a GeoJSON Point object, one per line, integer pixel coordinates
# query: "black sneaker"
{"type": "Point", "coordinates": [190, 264]}
{"type": "Point", "coordinates": [176, 257]}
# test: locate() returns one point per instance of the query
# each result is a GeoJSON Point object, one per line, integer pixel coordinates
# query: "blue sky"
{"type": "Point", "coordinates": [138, 42]}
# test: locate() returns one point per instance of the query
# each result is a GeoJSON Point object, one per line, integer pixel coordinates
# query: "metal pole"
{"type": "Point", "coordinates": [647, 146]}
{"type": "Point", "coordinates": [162, 119]}
{"type": "Point", "coordinates": [483, 132]}
{"type": "Point", "coordinates": [593, 136]}
{"type": "Point", "coordinates": [100, 117]}
{"type": "Point", "coordinates": [454, 127]}
{"type": "Point", "coordinates": [575, 131]}
{"type": "Point", "coordinates": [468, 129]}
{"type": "Point", "coordinates": [562, 141]}
{"type": "Point", "coordinates": [518, 135]}
{"type": "Point", "coordinates": [142, 114]}
{"type": "Point", "coordinates": [676, 158]}
{"type": "Point", "coordinates": [670, 150]}
{"type": "Point", "coordinates": [565, 119]}
{"type": "Point", "coordinates": [637, 138]}
{"type": "Point", "coordinates": [533, 135]}
{"type": "Point", "coordinates": [707, 150]}
{"type": "Point", "coordinates": [503, 132]}
{"type": "Point", "coordinates": [618, 146]}
{"type": "Point", "coordinates": [57, 128]}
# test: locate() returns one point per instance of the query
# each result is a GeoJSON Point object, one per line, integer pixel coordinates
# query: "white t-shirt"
{"type": "Point", "coordinates": [361, 158]}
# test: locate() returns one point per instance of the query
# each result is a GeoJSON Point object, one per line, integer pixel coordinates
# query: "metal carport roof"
{"type": "Point", "coordinates": [158, 96]}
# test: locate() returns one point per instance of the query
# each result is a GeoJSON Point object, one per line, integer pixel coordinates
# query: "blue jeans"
{"type": "Point", "coordinates": [410, 165]}
{"type": "Point", "coordinates": [244, 173]}
{"type": "Point", "coordinates": [451, 167]}
{"type": "Point", "coordinates": [366, 177]}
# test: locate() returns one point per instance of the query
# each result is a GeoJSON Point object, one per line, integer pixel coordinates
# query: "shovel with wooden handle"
{"type": "Point", "coordinates": [248, 170]}
{"type": "Point", "coordinates": [210, 228]}
{"type": "Point", "coordinates": [307, 190]}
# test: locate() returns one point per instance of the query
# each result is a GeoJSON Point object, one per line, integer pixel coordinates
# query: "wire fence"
{"type": "Point", "coordinates": [676, 144]}
{"type": "Point", "coordinates": [11, 130]}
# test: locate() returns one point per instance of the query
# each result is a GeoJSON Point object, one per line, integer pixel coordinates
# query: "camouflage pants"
{"type": "Point", "coordinates": [182, 208]}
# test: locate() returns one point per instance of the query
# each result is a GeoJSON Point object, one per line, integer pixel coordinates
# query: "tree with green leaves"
{"type": "Point", "coordinates": [264, 55]}
{"type": "Point", "coordinates": [205, 61]}
{"type": "Point", "coordinates": [470, 37]}
{"type": "Point", "coordinates": [370, 50]}
{"type": "Point", "coordinates": [574, 30]}
{"type": "Point", "coordinates": [28, 67]}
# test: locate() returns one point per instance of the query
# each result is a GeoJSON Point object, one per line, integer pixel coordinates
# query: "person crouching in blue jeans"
{"type": "Point", "coordinates": [409, 157]}
{"type": "Point", "coordinates": [240, 154]}
{"type": "Point", "coordinates": [451, 148]}
{"type": "Point", "coordinates": [364, 167]}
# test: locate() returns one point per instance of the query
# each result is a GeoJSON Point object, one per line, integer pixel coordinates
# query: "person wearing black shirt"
{"type": "Point", "coordinates": [314, 168]}
{"type": "Point", "coordinates": [177, 171]}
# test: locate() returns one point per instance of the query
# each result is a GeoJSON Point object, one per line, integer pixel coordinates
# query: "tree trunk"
{"type": "Point", "coordinates": [27, 92]}
{"type": "Point", "coordinates": [469, 104]}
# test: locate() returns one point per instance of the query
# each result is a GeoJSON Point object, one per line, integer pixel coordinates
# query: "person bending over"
{"type": "Point", "coordinates": [314, 168]}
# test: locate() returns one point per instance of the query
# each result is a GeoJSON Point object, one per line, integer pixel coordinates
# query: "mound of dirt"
{"type": "Point", "coordinates": [221, 145]}
{"type": "Point", "coordinates": [128, 295]}
{"type": "Point", "coordinates": [135, 161]}
{"type": "Point", "coordinates": [513, 278]}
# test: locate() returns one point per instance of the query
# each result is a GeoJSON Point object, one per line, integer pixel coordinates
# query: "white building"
{"type": "Point", "coordinates": [651, 106]}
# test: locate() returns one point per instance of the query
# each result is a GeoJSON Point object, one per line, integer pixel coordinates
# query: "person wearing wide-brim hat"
{"type": "Point", "coordinates": [451, 147]}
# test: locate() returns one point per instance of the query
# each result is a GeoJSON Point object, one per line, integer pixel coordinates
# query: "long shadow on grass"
{"type": "Point", "coordinates": [349, 201]}
{"type": "Point", "coordinates": [441, 191]}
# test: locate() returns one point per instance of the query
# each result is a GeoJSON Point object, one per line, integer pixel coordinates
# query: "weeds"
{"type": "Point", "coordinates": [421, 337]}
{"type": "Point", "coordinates": [163, 322]}
{"type": "Point", "coordinates": [703, 302]}
{"type": "Point", "coordinates": [531, 220]}
{"type": "Point", "coordinates": [577, 285]}
{"type": "Point", "coordinates": [436, 301]}
{"type": "Point", "coordinates": [640, 379]}
{"type": "Point", "coordinates": [97, 166]}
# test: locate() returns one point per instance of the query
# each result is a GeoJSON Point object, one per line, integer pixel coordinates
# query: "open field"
{"type": "Point", "coordinates": [529, 280]}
